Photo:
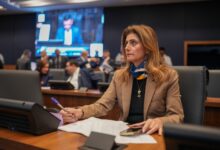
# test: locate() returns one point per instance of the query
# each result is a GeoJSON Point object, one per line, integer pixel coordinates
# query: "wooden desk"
{"type": "Point", "coordinates": [212, 112]}
{"type": "Point", "coordinates": [59, 141]}
{"type": "Point", "coordinates": [9, 67]}
{"type": "Point", "coordinates": [75, 98]}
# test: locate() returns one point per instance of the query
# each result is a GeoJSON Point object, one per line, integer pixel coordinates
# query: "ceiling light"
{"type": "Point", "coordinates": [32, 3]}
{"type": "Point", "coordinates": [82, 1]}
{"type": "Point", "coordinates": [2, 8]}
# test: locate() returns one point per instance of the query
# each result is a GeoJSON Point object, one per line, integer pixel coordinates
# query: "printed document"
{"type": "Point", "coordinates": [107, 127]}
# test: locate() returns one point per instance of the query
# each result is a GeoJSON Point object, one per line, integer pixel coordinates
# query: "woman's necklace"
{"type": "Point", "coordinates": [139, 89]}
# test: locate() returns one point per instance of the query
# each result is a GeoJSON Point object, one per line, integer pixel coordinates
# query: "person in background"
{"type": "Point", "coordinates": [43, 57]}
{"type": "Point", "coordinates": [2, 62]}
{"type": "Point", "coordinates": [94, 63]}
{"type": "Point", "coordinates": [146, 90]}
{"type": "Point", "coordinates": [69, 33]}
{"type": "Point", "coordinates": [43, 69]}
{"type": "Point", "coordinates": [165, 57]}
{"type": "Point", "coordinates": [24, 62]}
{"type": "Point", "coordinates": [107, 63]}
{"type": "Point", "coordinates": [118, 58]}
{"type": "Point", "coordinates": [83, 60]}
{"type": "Point", "coordinates": [119, 61]}
{"type": "Point", "coordinates": [58, 61]}
{"type": "Point", "coordinates": [78, 77]}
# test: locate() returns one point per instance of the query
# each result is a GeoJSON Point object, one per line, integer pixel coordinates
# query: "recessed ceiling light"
{"type": "Point", "coordinates": [82, 1]}
{"type": "Point", "coordinates": [2, 8]}
{"type": "Point", "coordinates": [32, 3]}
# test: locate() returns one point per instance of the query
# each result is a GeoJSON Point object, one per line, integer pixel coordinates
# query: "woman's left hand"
{"type": "Point", "coordinates": [150, 126]}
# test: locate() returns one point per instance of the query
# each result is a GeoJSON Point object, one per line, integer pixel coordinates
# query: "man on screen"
{"type": "Point", "coordinates": [69, 33]}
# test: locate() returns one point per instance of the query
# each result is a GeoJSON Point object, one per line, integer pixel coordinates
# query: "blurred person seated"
{"type": "Point", "coordinates": [43, 69]}
{"type": "Point", "coordinates": [167, 60]}
{"type": "Point", "coordinates": [24, 62]}
{"type": "Point", "coordinates": [2, 62]}
{"type": "Point", "coordinates": [120, 61]}
{"type": "Point", "coordinates": [94, 63]}
{"type": "Point", "coordinates": [107, 63]}
{"type": "Point", "coordinates": [78, 77]}
{"type": "Point", "coordinates": [58, 61]}
{"type": "Point", "coordinates": [118, 58]}
{"type": "Point", "coordinates": [83, 60]}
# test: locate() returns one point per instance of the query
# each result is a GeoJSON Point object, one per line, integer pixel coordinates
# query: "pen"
{"type": "Point", "coordinates": [55, 101]}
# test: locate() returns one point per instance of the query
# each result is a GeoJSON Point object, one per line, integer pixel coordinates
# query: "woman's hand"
{"type": "Point", "coordinates": [150, 126]}
{"type": "Point", "coordinates": [71, 115]}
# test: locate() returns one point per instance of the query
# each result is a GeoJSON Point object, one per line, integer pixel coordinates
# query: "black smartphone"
{"type": "Point", "coordinates": [131, 132]}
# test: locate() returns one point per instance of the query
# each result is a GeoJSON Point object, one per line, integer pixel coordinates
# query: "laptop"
{"type": "Point", "coordinates": [60, 84]}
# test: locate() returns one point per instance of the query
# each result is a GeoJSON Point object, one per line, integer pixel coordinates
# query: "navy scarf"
{"type": "Point", "coordinates": [138, 72]}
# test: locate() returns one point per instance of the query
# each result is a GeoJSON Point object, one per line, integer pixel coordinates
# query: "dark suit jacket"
{"type": "Point", "coordinates": [62, 63]}
{"type": "Point", "coordinates": [82, 63]}
{"type": "Point", "coordinates": [44, 78]}
{"type": "Point", "coordinates": [76, 35]}
{"type": "Point", "coordinates": [84, 79]}
{"type": "Point", "coordinates": [161, 102]}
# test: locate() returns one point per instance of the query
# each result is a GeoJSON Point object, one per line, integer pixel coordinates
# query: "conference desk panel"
{"type": "Point", "coordinates": [59, 140]}
{"type": "Point", "coordinates": [76, 98]}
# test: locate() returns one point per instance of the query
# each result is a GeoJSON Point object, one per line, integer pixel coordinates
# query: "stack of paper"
{"type": "Point", "coordinates": [108, 127]}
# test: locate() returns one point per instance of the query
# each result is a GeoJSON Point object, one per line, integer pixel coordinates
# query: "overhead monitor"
{"type": "Point", "coordinates": [96, 50]}
{"type": "Point", "coordinates": [70, 30]}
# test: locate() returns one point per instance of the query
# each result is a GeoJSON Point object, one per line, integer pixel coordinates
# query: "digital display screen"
{"type": "Point", "coordinates": [71, 31]}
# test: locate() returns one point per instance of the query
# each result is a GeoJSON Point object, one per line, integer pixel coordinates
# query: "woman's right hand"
{"type": "Point", "coordinates": [71, 115]}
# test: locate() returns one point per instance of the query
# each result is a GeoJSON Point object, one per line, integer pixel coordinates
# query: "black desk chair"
{"type": "Point", "coordinates": [191, 137]}
{"type": "Point", "coordinates": [100, 76]}
{"type": "Point", "coordinates": [214, 83]}
{"type": "Point", "coordinates": [192, 81]}
{"type": "Point", "coordinates": [110, 76]}
{"type": "Point", "coordinates": [20, 85]}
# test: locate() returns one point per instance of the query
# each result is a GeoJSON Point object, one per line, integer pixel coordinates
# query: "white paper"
{"type": "Point", "coordinates": [108, 127]}
{"type": "Point", "coordinates": [140, 139]}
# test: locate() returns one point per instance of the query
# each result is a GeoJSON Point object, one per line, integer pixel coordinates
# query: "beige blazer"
{"type": "Point", "coordinates": [160, 101]}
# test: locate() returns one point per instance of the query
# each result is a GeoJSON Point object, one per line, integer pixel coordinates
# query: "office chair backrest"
{"type": "Point", "coordinates": [214, 83]}
{"type": "Point", "coordinates": [110, 76]}
{"type": "Point", "coordinates": [20, 85]}
{"type": "Point", "coordinates": [57, 74]}
{"type": "Point", "coordinates": [191, 137]}
{"type": "Point", "coordinates": [192, 81]}
{"type": "Point", "coordinates": [100, 76]}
